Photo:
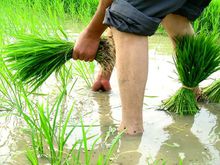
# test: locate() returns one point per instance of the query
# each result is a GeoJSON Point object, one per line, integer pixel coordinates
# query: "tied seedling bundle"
{"type": "Point", "coordinates": [197, 57]}
{"type": "Point", "coordinates": [34, 58]}
{"type": "Point", "coordinates": [212, 92]}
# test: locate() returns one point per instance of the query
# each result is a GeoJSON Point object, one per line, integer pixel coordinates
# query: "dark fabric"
{"type": "Point", "coordinates": [192, 9]}
{"type": "Point", "coordinates": [143, 17]}
{"type": "Point", "coordinates": [123, 16]}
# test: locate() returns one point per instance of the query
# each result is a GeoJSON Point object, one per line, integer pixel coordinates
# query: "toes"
{"type": "Point", "coordinates": [130, 130]}
{"type": "Point", "coordinates": [134, 132]}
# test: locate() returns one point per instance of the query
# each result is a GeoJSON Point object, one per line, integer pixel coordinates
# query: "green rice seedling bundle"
{"type": "Point", "coordinates": [197, 57]}
{"type": "Point", "coordinates": [212, 92]}
{"type": "Point", "coordinates": [34, 58]}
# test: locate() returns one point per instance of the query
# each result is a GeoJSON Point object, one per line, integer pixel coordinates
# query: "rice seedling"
{"type": "Point", "coordinates": [32, 157]}
{"type": "Point", "coordinates": [48, 129]}
{"type": "Point", "coordinates": [34, 59]}
{"type": "Point", "coordinates": [65, 77]}
{"type": "Point", "coordinates": [197, 57]}
{"type": "Point", "coordinates": [85, 71]}
{"type": "Point", "coordinates": [10, 95]}
{"type": "Point", "coordinates": [103, 159]}
{"type": "Point", "coordinates": [81, 10]}
{"type": "Point", "coordinates": [208, 22]}
{"type": "Point", "coordinates": [41, 18]}
{"type": "Point", "coordinates": [212, 92]}
{"type": "Point", "coordinates": [48, 125]}
{"type": "Point", "coordinates": [44, 18]}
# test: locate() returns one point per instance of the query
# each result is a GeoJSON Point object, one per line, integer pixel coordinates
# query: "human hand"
{"type": "Point", "coordinates": [86, 46]}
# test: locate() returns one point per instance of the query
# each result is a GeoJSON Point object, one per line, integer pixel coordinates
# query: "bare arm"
{"type": "Point", "coordinates": [96, 26]}
{"type": "Point", "coordinates": [88, 41]}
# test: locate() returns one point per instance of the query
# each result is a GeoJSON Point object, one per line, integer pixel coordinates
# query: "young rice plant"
{"type": "Point", "coordinates": [197, 57]}
{"type": "Point", "coordinates": [34, 59]}
{"type": "Point", "coordinates": [212, 92]}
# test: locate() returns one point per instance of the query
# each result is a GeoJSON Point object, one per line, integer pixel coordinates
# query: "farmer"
{"type": "Point", "coordinates": [131, 22]}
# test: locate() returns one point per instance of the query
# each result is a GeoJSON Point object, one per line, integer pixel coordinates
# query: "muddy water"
{"type": "Point", "coordinates": [167, 137]}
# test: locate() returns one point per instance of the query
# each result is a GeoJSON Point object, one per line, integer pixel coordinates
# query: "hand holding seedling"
{"type": "Point", "coordinates": [86, 46]}
{"type": "Point", "coordinates": [34, 58]}
{"type": "Point", "coordinates": [88, 41]}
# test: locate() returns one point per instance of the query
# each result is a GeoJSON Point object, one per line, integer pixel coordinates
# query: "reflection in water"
{"type": "Point", "coordinates": [128, 146]}
{"type": "Point", "coordinates": [128, 151]}
{"type": "Point", "coordinates": [136, 149]}
{"type": "Point", "coordinates": [181, 143]}
{"type": "Point", "coordinates": [207, 134]}
{"type": "Point", "coordinates": [193, 139]}
{"type": "Point", "coordinates": [104, 110]}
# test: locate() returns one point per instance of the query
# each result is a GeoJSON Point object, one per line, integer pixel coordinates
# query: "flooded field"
{"type": "Point", "coordinates": [168, 138]}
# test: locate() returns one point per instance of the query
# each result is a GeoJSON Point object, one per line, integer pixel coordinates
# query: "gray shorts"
{"type": "Point", "coordinates": [143, 17]}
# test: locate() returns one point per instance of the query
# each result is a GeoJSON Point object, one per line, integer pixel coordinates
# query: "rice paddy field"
{"type": "Point", "coordinates": [64, 122]}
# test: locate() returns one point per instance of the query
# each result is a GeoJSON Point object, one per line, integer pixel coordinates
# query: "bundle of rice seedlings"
{"type": "Point", "coordinates": [212, 92]}
{"type": "Point", "coordinates": [197, 57]}
{"type": "Point", "coordinates": [34, 58]}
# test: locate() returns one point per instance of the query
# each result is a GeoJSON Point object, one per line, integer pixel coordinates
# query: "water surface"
{"type": "Point", "coordinates": [167, 137]}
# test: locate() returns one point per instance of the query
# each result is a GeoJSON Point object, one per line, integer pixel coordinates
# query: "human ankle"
{"type": "Point", "coordinates": [134, 119]}
{"type": "Point", "coordinates": [131, 128]}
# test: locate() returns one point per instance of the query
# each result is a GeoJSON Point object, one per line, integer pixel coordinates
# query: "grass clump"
{"type": "Point", "coordinates": [10, 93]}
{"type": "Point", "coordinates": [208, 22]}
{"type": "Point", "coordinates": [81, 10]}
{"type": "Point", "coordinates": [197, 57]}
{"type": "Point", "coordinates": [212, 92]}
{"type": "Point", "coordinates": [49, 129]}
{"type": "Point", "coordinates": [34, 59]}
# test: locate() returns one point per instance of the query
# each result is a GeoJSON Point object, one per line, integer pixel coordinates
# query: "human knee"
{"type": "Point", "coordinates": [177, 25]}
{"type": "Point", "coordinates": [179, 21]}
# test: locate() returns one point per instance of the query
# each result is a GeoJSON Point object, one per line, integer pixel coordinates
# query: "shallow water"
{"type": "Point", "coordinates": [167, 137]}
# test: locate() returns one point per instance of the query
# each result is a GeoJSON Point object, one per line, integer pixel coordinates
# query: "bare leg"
{"type": "Point", "coordinates": [102, 80]}
{"type": "Point", "coordinates": [176, 25]}
{"type": "Point", "coordinates": [132, 70]}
